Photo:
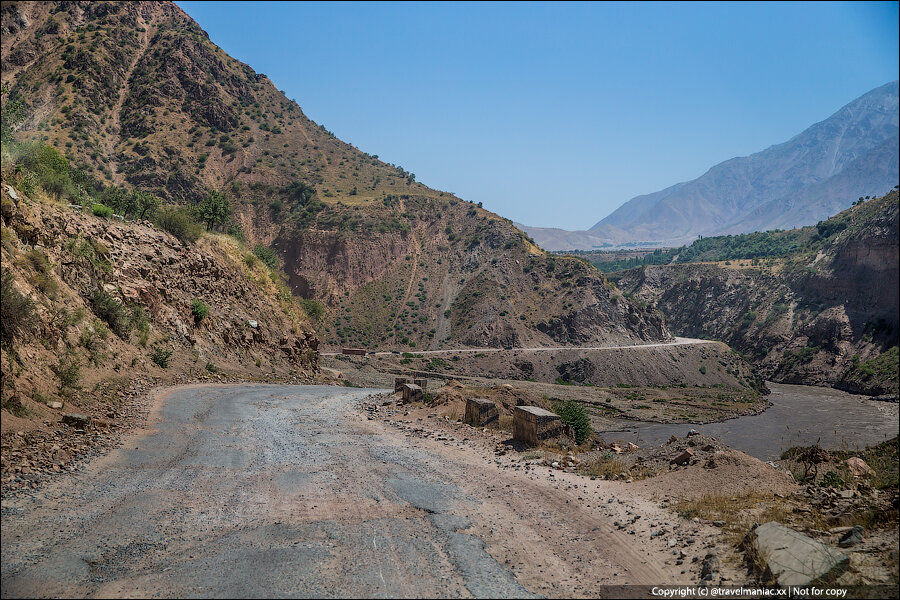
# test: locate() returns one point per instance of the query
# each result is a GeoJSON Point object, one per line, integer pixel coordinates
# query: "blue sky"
{"type": "Point", "coordinates": [555, 114]}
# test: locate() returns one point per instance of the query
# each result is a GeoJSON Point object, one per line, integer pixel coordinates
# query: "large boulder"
{"type": "Point", "coordinates": [76, 420]}
{"type": "Point", "coordinates": [789, 558]}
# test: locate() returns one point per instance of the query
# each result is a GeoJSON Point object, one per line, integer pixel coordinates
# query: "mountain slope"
{"type": "Point", "coordinates": [826, 313]}
{"type": "Point", "coordinates": [865, 176]}
{"type": "Point", "coordinates": [136, 92]}
{"type": "Point", "coordinates": [811, 176]}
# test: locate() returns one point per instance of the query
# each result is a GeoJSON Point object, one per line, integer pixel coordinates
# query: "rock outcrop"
{"type": "Point", "coordinates": [828, 317]}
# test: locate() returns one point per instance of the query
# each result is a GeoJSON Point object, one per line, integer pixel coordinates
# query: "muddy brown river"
{"type": "Point", "coordinates": [799, 415]}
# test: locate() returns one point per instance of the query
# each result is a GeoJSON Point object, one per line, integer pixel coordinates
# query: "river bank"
{"type": "Point", "coordinates": [797, 416]}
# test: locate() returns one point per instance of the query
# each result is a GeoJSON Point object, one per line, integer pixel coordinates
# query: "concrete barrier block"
{"type": "Point", "coordinates": [481, 412]}
{"type": "Point", "coordinates": [422, 383]}
{"type": "Point", "coordinates": [412, 393]}
{"type": "Point", "coordinates": [398, 383]}
{"type": "Point", "coordinates": [534, 425]}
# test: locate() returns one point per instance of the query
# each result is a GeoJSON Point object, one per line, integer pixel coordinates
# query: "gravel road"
{"type": "Point", "coordinates": [287, 491]}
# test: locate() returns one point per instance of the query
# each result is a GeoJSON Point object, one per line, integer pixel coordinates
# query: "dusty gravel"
{"type": "Point", "coordinates": [274, 490]}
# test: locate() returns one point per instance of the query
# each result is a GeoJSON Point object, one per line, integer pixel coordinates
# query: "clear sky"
{"type": "Point", "coordinates": [555, 114]}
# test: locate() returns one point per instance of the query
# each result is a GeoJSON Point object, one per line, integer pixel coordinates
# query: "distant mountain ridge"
{"type": "Point", "coordinates": [816, 173]}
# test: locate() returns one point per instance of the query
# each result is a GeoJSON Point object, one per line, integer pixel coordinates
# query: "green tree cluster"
{"type": "Point", "coordinates": [214, 210]}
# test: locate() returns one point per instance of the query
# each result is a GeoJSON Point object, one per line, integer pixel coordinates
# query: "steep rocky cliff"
{"type": "Point", "coordinates": [826, 316]}
{"type": "Point", "coordinates": [136, 93]}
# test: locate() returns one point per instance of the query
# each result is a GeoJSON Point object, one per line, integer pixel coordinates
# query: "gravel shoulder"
{"type": "Point", "coordinates": [273, 490]}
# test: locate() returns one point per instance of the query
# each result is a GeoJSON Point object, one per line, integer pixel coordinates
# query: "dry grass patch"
{"type": "Point", "coordinates": [606, 466]}
{"type": "Point", "coordinates": [739, 513]}
{"type": "Point", "coordinates": [268, 280]}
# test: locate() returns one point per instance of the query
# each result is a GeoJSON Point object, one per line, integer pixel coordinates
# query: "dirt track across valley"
{"type": "Point", "coordinates": [274, 490]}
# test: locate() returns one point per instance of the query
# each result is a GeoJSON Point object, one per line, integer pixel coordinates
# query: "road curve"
{"type": "Point", "coordinates": [679, 341]}
{"type": "Point", "coordinates": [287, 491]}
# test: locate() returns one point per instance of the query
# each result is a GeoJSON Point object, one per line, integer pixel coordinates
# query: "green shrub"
{"type": "Point", "coordinates": [235, 231]}
{"type": "Point", "coordinates": [68, 371]}
{"type": "Point", "coordinates": [313, 308]}
{"type": "Point", "coordinates": [160, 356]}
{"type": "Point", "coordinates": [828, 228]}
{"type": "Point", "coordinates": [50, 170]}
{"type": "Point", "coordinates": [180, 223]}
{"type": "Point", "coordinates": [46, 283]}
{"type": "Point", "coordinates": [832, 479]}
{"type": "Point", "coordinates": [112, 311]}
{"type": "Point", "coordinates": [95, 254]}
{"type": "Point", "coordinates": [14, 406]}
{"type": "Point", "coordinates": [38, 260]}
{"type": "Point", "coordinates": [199, 309]}
{"type": "Point", "coordinates": [266, 255]}
{"type": "Point", "coordinates": [93, 340]}
{"type": "Point", "coordinates": [141, 324]}
{"type": "Point", "coordinates": [101, 210]}
{"type": "Point", "coordinates": [574, 414]}
{"type": "Point", "coordinates": [18, 316]}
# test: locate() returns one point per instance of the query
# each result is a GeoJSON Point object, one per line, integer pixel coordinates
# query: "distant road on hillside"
{"type": "Point", "coordinates": [679, 341]}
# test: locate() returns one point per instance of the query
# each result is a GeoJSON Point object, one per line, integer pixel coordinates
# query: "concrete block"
{"type": "Point", "coordinates": [790, 558]}
{"type": "Point", "coordinates": [422, 383]}
{"type": "Point", "coordinates": [481, 412]}
{"type": "Point", "coordinates": [534, 425]}
{"type": "Point", "coordinates": [412, 393]}
{"type": "Point", "coordinates": [398, 383]}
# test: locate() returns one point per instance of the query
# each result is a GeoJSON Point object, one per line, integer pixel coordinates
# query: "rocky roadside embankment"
{"type": "Point", "coordinates": [97, 311]}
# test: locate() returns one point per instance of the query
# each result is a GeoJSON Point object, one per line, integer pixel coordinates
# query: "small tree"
{"type": "Point", "coordinates": [116, 198]}
{"type": "Point", "coordinates": [160, 356]}
{"type": "Point", "coordinates": [144, 204]}
{"type": "Point", "coordinates": [214, 210]}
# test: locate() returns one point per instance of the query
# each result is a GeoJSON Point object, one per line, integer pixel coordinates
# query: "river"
{"type": "Point", "coordinates": [800, 415]}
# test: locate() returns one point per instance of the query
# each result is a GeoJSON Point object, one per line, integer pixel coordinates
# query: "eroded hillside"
{"type": "Point", "coordinates": [826, 314]}
{"type": "Point", "coordinates": [92, 304]}
{"type": "Point", "coordinates": [136, 92]}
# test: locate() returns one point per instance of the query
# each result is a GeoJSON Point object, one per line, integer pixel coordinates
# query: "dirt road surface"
{"type": "Point", "coordinates": [285, 491]}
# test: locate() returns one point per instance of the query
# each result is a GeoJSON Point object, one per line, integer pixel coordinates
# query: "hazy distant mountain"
{"type": "Point", "coordinates": [813, 175]}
